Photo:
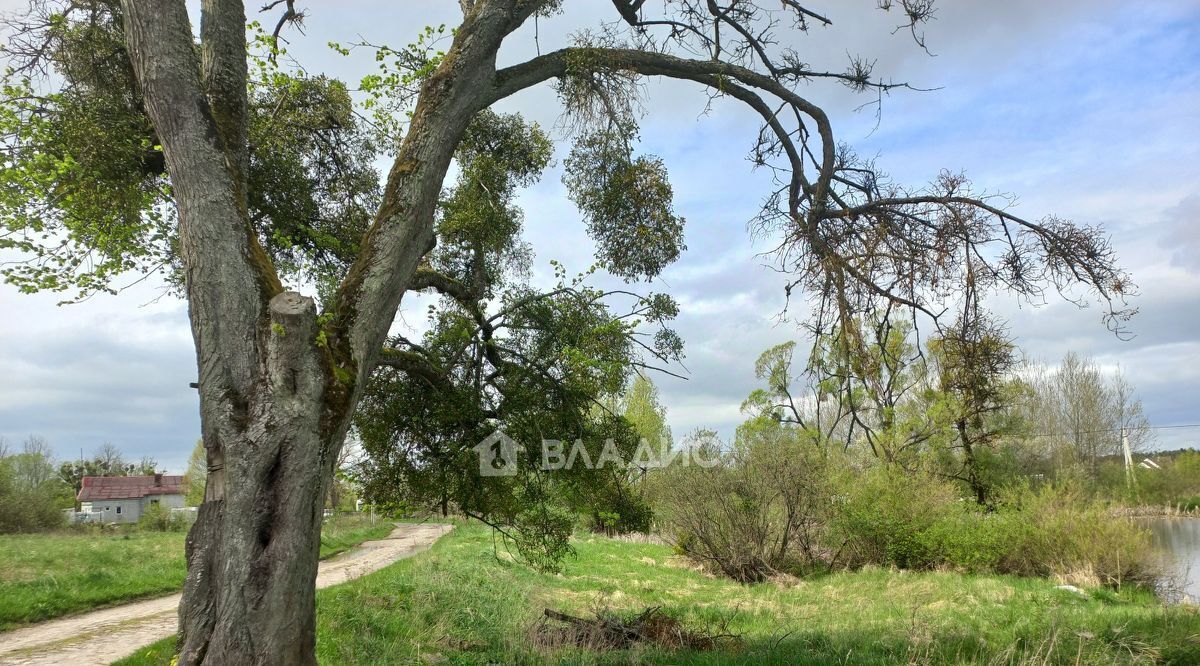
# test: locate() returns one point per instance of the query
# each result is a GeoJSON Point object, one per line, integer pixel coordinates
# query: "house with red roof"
{"type": "Point", "coordinates": [123, 499]}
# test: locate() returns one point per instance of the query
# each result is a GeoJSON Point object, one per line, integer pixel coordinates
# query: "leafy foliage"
{"type": "Point", "coordinates": [82, 189]}
{"type": "Point", "coordinates": [312, 187]}
{"type": "Point", "coordinates": [974, 362]}
{"type": "Point", "coordinates": [391, 91]}
{"type": "Point", "coordinates": [31, 495]}
{"type": "Point", "coordinates": [500, 356]}
{"type": "Point", "coordinates": [627, 203]}
{"type": "Point", "coordinates": [84, 193]}
{"type": "Point", "coordinates": [643, 408]}
{"type": "Point", "coordinates": [196, 475]}
{"type": "Point", "coordinates": [479, 230]}
{"type": "Point", "coordinates": [159, 518]}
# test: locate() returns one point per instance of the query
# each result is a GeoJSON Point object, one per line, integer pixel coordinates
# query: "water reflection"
{"type": "Point", "coordinates": [1180, 537]}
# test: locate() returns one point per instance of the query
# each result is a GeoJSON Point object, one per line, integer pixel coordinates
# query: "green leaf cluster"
{"type": "Point", "coordinates": [627, 203]}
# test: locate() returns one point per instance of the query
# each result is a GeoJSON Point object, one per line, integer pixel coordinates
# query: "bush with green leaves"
{"type": "Point", "coordinates": [767, 509]}
{"type": "Point", "coordinates": [159, 518]}
{"type": "Point", "coordinates": [1068, 536]}
{"type": "Point", "coordinates": [967, 539]}
{"type": "Point", "coordinates": [621, 509]}
{"type": "Point", "coordinates": [32, 498]}
{"type": "Point", "coordinates": [882, 515]}
{"type": "Point", "coordinates": [914, 521]}
{"type": "Point", "coordinates": [542, 535]}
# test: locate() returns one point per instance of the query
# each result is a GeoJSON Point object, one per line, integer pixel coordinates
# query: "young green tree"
{"type": "Point", "coordinates": [628, 500]}
{"type": "Point", "coordinates": [133, 146]}
{"type": "Point", "coordinates": [196, 475]}
{"type": "Point", "coordinates": [880, 388]}
{"type": "Point", "coordinates": [813, 400]}
{"type": "Point", "coordinates": [645, 411]}
{"type": "Point", "coordinates": [32, 496]}
{"type": "Point", "coordinates": [974, 360]}
{"type": "Point", "coordinates": [34, 465]}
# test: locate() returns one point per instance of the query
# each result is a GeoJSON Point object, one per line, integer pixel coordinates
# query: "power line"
{"type": "Point", "coordinates": [1117, 429]}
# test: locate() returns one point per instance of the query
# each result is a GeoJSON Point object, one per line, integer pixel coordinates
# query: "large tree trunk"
{"type": "Point", "coordinates": [252, 554]}
{"type": "Point", "coordinates": [275, 402]}
{"type": "Point", "coordinates": [273, 416]}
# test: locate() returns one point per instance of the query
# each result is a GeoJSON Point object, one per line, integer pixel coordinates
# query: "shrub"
{"type": "Point", "coordinates": [756, 513]}
{"type": "Point", "coordinates": [29, 510]}
{"type": "Point", "coordinates": [908, 521]}
{"type": "Point", "coordinates": [969, 539]}
{"type": "Point", "coordinates": [623, 513]}
{"type": "Point", "coordinates": [890, 518]}
{"type": "Point", "coordinates": [1071, 538]}
{"type": "Point", "coordinates": [25, 507]}
{"type": "Point", "coordinates": [769, 506]}
{"type": "Point", "coordinates": [882, 517]}
{"type": "Point", "coordinates": [159, 518]}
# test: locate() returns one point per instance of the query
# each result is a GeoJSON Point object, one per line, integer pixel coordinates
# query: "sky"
{"type": "Point", "coordinates": [1086, 109]}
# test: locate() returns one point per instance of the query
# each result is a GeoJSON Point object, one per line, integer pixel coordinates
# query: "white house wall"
{"type": "Point", "coordinates": [131, 509]}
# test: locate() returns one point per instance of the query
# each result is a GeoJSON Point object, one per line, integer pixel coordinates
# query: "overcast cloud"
{"type": "Point", "coordinates": [1089, 110]}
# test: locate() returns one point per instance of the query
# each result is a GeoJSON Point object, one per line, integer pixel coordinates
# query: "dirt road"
{"type": "Point", "coordinates": [103, 636]}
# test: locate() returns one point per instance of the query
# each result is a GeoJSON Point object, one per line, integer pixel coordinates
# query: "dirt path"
{"type": "Point", "coordinates": [103, 636]}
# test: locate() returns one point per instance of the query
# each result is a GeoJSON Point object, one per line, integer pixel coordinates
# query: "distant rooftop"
{"type": "Point", "coordinates": [128, 487]}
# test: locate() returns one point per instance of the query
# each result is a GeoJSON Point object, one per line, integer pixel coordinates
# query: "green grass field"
{"type": "Point", "coordinates": [43, 576]}
{"type": "Point", "coordinates": [462, 604]}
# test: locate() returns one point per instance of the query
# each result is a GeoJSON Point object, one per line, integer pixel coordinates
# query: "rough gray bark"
{"type": "Point", "coordinates": [275, 404]}
{"type": "Point", "coordinates": [252, 554]}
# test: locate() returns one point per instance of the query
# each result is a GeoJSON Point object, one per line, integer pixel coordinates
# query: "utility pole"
{"type": "Point", "coordinates": [1130, 479]}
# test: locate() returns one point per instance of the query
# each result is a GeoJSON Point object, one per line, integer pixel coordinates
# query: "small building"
{"type": "Point", "coordinates": [123, 499]}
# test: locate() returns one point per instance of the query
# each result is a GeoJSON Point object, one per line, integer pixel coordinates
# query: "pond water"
{"type": "Point", "coordinates": [1180, 538]}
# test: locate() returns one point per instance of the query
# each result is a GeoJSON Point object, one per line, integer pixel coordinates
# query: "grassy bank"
{"type": "Point", "coordinates": [344, 532]}
{"type": "Point", "coordinates": [461, 603]}
{"type": "Point", "coordinates": [43, 576]}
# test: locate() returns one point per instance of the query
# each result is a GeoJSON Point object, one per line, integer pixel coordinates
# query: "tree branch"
{"type": "Point", "coordinates": [224, 73]}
